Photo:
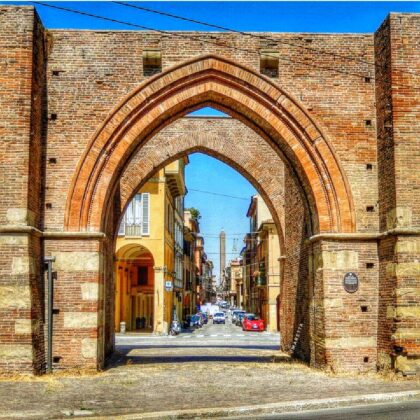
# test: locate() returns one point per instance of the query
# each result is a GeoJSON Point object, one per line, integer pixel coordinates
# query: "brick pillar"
{"type": "Point", "coordinates": [21, 116]}
{"type": "Point", "coordinates": [343, 324]}
{"type": "Point", "coordinates": [79, 296]}
{"type": "Point", "coordinates": [398, 125]}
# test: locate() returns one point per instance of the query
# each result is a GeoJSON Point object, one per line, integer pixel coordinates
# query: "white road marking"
{"type": "Point", "coordinates": [214, 335]}
{"type": "Point", "coordinates": [200, 336]}
{"type": "Point", "coordinates": [226, 335]}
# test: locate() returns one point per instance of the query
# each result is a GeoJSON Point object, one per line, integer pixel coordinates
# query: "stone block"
{"type": "Point", "coordinates": [20, 216]}
{"type": "Point", "coordinates": [407, 333]}
{"type": "Point", "coordinates": [399, 217]}
{"type": "Point", "coordinates": [411, 269]}
{"type": "Point", "coordinates": [89, 348]}
{"type": "Point", "coordinates": [350, 342]}
{"type": "Point", "coordinates": [411, 246]}
{"type": "Point", "coordinates": [10, 352]}
{"type": "Point", "coordinates": [408, 312]}
{"type": "Point", "coordinates": [13, 239]}
{"type": "Point", "coordinates": [23, 265]}
{"type": "Point", "coordinates": [80, 320]}
{"type": "Point", "coordinates": [406, 365]}
{"type": "Point", "coordinates": [90, 291]}
{"type": "Point", "coordinates": [15, 297]}
{"type": "Point", "coordinates": [340, 260]}
{"type": "Point", "coordinates": [333, 303]}
{"type": "Point", "coordinates": [23, 326]}
{"type": "Point", "coordinates": [390, 311]}
{"type": "Point", "coordinates": [77, 261]}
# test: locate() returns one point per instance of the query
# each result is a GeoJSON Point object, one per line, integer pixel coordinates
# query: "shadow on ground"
{"type": "Point", "coordinates": [173, 354]}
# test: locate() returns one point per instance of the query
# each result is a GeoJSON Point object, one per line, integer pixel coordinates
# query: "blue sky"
{"type": "Point", "coordinates": [248, 16]}
{"type": "Point", "coordinates": [218, 212]}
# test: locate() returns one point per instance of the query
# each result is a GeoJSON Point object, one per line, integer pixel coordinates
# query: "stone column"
{"type": "Point", "coordinates": [343, 324]}
{"type": "Point", "coordinates": [21, 117]}
{"type": "Point", "coordinates": [398, 125]}
{"type": "Point", "coordinates": [79, 301]}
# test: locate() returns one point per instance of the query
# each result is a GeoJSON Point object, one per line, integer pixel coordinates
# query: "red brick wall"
{"type": "Point", "coordinates": [22, 58]}
{"type": "Point", "coordinates": [397, 53]}
{"type": "Point", "coordinates": [84, 93]}
{"type": "Point", "coordinates": [295, 287]}
{"type": "Point", "coordinates": [89, 72]}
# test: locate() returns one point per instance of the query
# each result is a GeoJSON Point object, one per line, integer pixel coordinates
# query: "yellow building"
{"type": "Point", "coordinates": [191, 229]}
{"type": "Point", "coordinates": [149, 284]}
{"type": "Point", "coordinates": [236, 283]}
{"type": "Point", "coordinates": [262, 265]}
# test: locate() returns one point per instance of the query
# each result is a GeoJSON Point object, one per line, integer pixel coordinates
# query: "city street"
{"type": "Point", "coordinates": [224, 343]}
{"type": "Point", "coordinates": [220, 342]}
{"type": "Point", "coordinates": [216, 367]}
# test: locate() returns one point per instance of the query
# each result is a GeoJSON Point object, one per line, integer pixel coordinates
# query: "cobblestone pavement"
{"type": "Point", "coordinates": [216, 366]}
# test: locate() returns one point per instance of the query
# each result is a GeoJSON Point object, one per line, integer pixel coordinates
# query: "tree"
{"type": "Point", "coordinates": [195, 213]}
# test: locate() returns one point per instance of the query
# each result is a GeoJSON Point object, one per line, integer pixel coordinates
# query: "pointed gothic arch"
{"type": "Point", "coordinates": [235, 89]}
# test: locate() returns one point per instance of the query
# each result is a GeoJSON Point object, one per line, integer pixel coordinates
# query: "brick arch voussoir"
{"type": "Point", "coordinates": [153, 105]}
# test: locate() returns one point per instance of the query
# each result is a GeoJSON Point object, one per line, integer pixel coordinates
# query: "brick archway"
{"type": "Point", "coordinates": [169, 145]}
{"type": "Point", "coordinates": [252, 98]}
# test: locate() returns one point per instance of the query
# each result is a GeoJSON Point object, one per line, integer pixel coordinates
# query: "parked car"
{"type": "Point", "coordinates": [196, 321]}
{"type": "Point", "coordinates": [219, 318]}
{"type": "Point", "coordinates": [252, 322]}
{"type": "Point", "coordinates": [239, 318]}
{"type": "Point", "coordinates": [203, 317]}
{"type": "Point", "coordinates": [235, 314]}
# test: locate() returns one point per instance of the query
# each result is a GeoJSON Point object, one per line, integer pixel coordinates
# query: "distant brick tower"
{"type": "Point", "coordinates": [222, 256]}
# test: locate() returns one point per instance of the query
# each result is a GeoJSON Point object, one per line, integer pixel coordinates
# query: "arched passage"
{"type": "Point", "coordinates": [229, 140]}
{"type": "Point", "coordinates": [134, 286]}
{"type": "Point", "coordinates": [248, 96]}
{"type": "Point", "coordinates": [250, 155]}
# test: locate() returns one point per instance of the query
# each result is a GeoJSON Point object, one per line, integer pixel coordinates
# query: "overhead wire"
{"type": "Point", "coordinates": [195, 38]}
{"type": "Point", "coordinates": [219, 194]}
{"type": "Point", "coordinates": [255, 35]}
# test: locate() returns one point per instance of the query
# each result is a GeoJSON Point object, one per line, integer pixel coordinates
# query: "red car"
{"type": "Point", "coordinates": [252, 322]}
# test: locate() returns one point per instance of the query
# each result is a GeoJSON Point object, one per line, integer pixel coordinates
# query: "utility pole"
{"type": "Point", "coordinates": [48, 266]}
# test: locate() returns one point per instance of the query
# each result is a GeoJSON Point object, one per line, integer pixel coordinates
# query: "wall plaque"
{"type": "Point", "coordinates": [351, 282]}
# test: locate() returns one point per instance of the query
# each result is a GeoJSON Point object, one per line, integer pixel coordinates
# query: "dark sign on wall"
{"type": "Point", "coordinates": [351, 282]}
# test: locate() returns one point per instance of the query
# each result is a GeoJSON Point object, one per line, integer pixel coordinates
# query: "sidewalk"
{"type": "Point", "coordinates": [299, 406]}
{"type": "Point", "coordinates": [141, 386]}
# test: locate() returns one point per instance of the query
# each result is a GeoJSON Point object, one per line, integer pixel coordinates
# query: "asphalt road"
{"type": "Point", "coordinates": [211, 343]}
{"type": "Point", "coordinates": [408, 410]}
{"type": "Point", "coordinates": [209, 334]}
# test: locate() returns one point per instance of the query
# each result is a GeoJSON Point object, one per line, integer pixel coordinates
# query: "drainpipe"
{"type": "Point", "coordinates": [48, 261]}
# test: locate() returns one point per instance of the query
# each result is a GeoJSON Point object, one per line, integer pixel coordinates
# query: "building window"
{"type": "Point", "coordinates": [142, 275]}
{"type": "Point", "coordinates": [136, 220]}
{"type": "Point", "coordinates": [269, 63]}
{"type": "Point", "coordinates": [152, 62]}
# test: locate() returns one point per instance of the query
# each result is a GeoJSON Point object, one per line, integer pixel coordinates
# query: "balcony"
{"type": "Point", "coordinates": [175, 178]}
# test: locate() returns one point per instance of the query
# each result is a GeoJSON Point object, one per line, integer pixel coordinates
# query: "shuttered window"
{"type": "Point", "coordinates": [145, 214]}
{"type": "Point", "coordinates": [121, 230]}
{"type": "Point", "coordinates": [136, 220]}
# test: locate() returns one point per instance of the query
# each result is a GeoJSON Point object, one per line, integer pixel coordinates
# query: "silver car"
{"type": "Point", "coordinates": [235, 314]}
{"type": "Point", "coordinates": [219, 318]}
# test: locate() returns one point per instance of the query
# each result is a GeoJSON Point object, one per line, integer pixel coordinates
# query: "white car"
{"type": "Point", "coordinates": [219, 318]}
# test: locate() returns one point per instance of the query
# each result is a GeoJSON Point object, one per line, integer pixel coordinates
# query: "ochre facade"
{"type": "Point", "coordinates": [145, 254]}
{"type": "Point", "coordinates": [330, 142]}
